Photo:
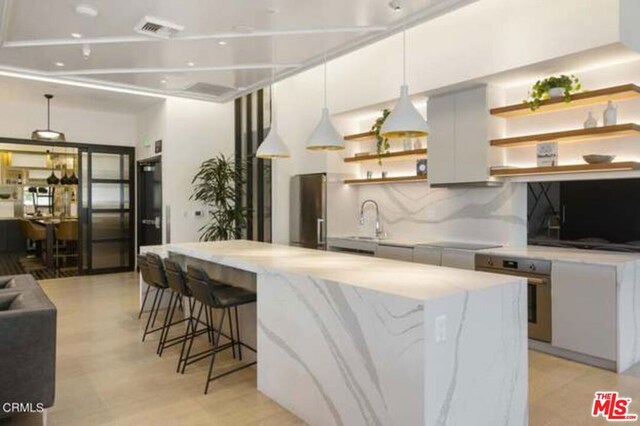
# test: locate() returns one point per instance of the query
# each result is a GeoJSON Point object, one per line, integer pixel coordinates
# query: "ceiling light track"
{"type": "Point", "coordinates": [104, 71]}
{"type": "Point", "coordinates": [216, 36]}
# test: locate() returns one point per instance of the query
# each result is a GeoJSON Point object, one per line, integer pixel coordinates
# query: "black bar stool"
{"type": "Point", "coordinates": [214, 295]}
{"type": "Point", "coordinates": [157, 279]}
{"type": "Point", "coordinates": [177, 281]}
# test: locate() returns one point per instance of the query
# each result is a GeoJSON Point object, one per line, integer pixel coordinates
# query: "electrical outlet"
{"type": "Point", "coordinates": [441, 329]}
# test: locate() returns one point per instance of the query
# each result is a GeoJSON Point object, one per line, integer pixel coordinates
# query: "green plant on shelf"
{"type": "Point", "coordinates": [540, 90]}
{"type": "Point", "coordinates": [382, 144]}
{"type": "Point", "coordinates": [216, 185]}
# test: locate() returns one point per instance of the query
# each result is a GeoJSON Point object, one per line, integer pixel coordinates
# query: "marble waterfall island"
{"type": "Point", "coordinates": [353, 340]}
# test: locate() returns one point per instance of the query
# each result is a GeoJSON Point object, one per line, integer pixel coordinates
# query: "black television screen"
{"type": "Point", "coordinates": [603, 209]}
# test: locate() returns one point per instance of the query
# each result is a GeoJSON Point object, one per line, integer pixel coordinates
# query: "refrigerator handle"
{"type": "Point", "coordinates": [319, 231]}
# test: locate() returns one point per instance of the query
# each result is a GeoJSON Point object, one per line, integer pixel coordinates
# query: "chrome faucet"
{"type": "Point", "coordinates": [379, 231]}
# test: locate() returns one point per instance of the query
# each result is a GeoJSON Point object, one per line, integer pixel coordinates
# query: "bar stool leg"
{"type": "Point", "coordinates": [144, 301]}
{"type": "Point", "coordinates": [190, 326]}
{"type": "Point", "coordinates": [233, 337]}
{"type": "Point", "coordinates": [167, 322]}
{"type": "Point", "coordinates": [146, 329]}
{"type": "Point", "coordinates": [170, 323]}
{"type": "Point", "coordinates": [215, 348]}
{"type": "Point", "coordinates": [158, 308]}
{"type": "Point", "coordinates": [209, 320]}
{"type": "Point", "coordinates": [235, 308]}
{"type": "Point", "coordinates": [193, 336]}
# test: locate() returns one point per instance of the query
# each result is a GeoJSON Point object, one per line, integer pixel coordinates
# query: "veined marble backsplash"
{"type": "Point", "coordinates": [415, 212]}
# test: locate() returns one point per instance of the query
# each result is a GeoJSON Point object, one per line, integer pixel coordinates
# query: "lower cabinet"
{"type": "Point", "coordinates": [428, 255]}
{"type": "Point", "coordinates": [583, 308]}
{"type": "Point", "coordinates": [460, 259]}
{"type": "Point", "coordinates": [452, 258]}
{"type": "Point", "coordinates": [395, 252]}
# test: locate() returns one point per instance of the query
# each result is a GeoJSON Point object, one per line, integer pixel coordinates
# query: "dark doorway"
{"type": "Point", "coordinates": [150, 202]}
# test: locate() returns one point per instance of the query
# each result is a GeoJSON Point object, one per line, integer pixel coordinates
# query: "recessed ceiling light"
{"type": "Point", "coordinates": [222, 42]}
{"type": "Point", "coordinates": [76, 35]}
{"type": "Point", "coordinates": [59, 64]}
{"type": "Point", "coordinates": [163, 81]}
{"type": "Point", "coordinates": [395, 5]}
{"type": "Point", "coordinates": [191, 63]}
{"type": "Point", "coordinates": [86, 10]}
{"type": "Point", "coordinates": [242, 88]}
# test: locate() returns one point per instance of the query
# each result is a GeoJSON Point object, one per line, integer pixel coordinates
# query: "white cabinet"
{"type": "Point", "coordinates": [460, 259]}
{"type": "Point", "coordinates": [583, 308]}
{"type": "Point", "coordinates": [395, 252]}
{"type": "Point", "coordinates": [460, 130]}
{"type": "Point", "coordinates": [427, 255]}
{"type": "Point", "coordinates": [439, 256]}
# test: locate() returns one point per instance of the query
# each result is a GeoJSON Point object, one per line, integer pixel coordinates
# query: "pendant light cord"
{"type": "Point", "coordinates": [404, 52]}
{"type": "Point", "coordinates": [324, 25]}
{"type": "Point", "coordinates": [48, 113]}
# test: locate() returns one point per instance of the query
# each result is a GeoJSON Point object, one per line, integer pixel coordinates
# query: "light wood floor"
{"type": "Point", "coordinates": [105, 375]}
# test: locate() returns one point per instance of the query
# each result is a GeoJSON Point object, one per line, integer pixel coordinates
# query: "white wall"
{"type": "Point", "coordinates": [191, 132]}
{"type": "Point", "coordinates": [480, 40]}
{"type": "Point", "coordinates": [20, 115]}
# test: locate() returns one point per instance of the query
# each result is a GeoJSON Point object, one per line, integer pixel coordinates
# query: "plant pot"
{"type": "Point", "coordinates": [556, 92]}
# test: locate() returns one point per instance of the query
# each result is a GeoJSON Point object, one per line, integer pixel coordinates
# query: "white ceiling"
{"type": "Point", "coordinates": [36, 34]}
{"type": "Point", "coordinates": [72, 96]}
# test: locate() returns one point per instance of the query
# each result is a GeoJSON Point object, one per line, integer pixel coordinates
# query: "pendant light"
{"type": "Point", "coordinates": [272, 146]}
{"type": "Point", "coordinates": [325, 137]}
{"type": "Point", "coordinates": [64, 180]}
{"type": "Point", "coordinates": [52, 179]}
{"type": "Point", "coordinates": [404, 121]}
{"type": "Point", "coordinates": [73, 180]}
{"type": "Point", "coordinates": [48, 134]}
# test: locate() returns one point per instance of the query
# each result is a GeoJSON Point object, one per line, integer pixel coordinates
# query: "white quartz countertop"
{"type": "Point", "coordinates": [592, 257]}
{"type": "Point", "coordinates": [413, 280]}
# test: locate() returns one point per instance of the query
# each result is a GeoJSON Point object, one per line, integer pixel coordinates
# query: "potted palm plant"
{"type": "Point", "coordinates": [217, 185]}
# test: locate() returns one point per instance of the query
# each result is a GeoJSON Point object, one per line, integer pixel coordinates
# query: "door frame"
{"type": "Point", "coordinates": [88, 147]}
{"type": "Point", "coordinates": [156, 159]}
{"type": "Point", "coordinates": [85, 215]}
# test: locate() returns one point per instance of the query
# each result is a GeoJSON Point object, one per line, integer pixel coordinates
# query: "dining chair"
{"type": "Point", "coordinates": [66, 232]}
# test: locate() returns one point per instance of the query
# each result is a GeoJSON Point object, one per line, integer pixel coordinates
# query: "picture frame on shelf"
{"type": "Point", "coordinates": [547, 154]}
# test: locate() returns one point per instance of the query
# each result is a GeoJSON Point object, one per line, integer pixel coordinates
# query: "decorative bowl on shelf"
{"type": "Point", "coordinates": [598, 159]}
{"type": "Point", "coordinates": [5, 196]}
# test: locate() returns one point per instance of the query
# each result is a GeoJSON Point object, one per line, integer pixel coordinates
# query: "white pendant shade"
{"type": "Point", "coordinates": [325, 137]}
{"type": "Point", "coordinates": [272, 146]}
{"type": "Point", "coordinates": [404, 121]}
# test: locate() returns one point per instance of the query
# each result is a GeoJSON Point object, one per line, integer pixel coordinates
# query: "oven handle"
{"type": "Point", "coordinates": [537, 281]}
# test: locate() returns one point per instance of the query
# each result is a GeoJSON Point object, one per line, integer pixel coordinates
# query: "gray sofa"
{"type": "Point", "coordinates": [27, 343]}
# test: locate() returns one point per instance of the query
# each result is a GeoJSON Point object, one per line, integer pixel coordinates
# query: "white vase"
{"type": "Point", "coordinates": [610, 115]}
{"type": "Point", "coordinates": [591, 121]}
{"type": "Point", "coordinates": [556, 92]}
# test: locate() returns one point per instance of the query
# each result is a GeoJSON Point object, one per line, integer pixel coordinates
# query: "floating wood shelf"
{"type": "Point", "coordinates": [571, 168]}
{"type": "Point", "coordinates": [396, 179]}
{"type": "Point", "coordinates": [615, 131]}
{"type": "Point", "coordinates": [398, 155]}
{"type": "Point", "coordinates": [592, 97]}
{"type": "Point", "coordinates": [359, 137]}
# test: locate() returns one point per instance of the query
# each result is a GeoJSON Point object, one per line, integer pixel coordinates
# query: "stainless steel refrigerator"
{"type": "Point", "coordinates": [308, 211]}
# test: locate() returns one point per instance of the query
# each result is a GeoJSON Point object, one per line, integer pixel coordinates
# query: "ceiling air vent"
{"type": "Point", "coordinates": [208, 89]}
{"type": "Point", "coordinates": [156, 27]}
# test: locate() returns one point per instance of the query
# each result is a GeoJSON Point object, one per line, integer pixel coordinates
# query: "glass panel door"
{"type": "Point", "coordinates": [107, 209]}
